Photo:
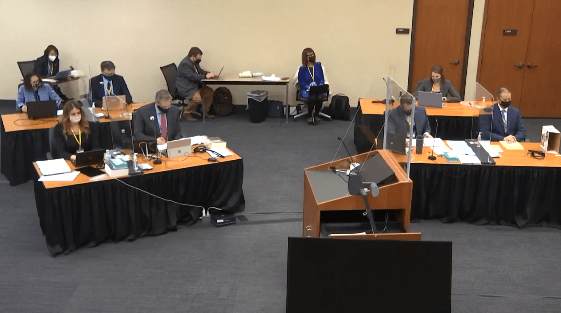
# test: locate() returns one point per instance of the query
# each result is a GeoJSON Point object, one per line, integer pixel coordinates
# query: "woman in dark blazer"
{"type": "Point", "coordinates": [438, 83]}
{"type": "Point", "coordinates": [47, 65]}
{"type": "Point", "coordinates": [73, 134]}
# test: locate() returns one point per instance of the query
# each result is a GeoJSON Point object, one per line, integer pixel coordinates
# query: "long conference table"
{"type": "Point", "coordinates": [518, 190]}
{"type": "Point", "coordinates": [91, 211]}
{"type": "Point", "coordinates": [452, 122]}
{"type": "Point", "coordinates": [24, 141]}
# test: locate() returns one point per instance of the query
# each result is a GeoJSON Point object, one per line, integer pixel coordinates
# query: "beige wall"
{"type": "Point", "coordinates": [354, 39]}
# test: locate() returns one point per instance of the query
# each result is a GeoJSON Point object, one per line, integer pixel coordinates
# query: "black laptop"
{"type": "Point", "coordinates": [89, 158]}
{"type": "Point", "coordinates": [394, 142]}
{"type": "Point", "coordinates": [41, 109]}
{"type": "Point", "coordinates": [62, 74]}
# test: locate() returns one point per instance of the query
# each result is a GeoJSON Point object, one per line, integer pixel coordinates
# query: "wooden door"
{"type": "Point", "coordinates": [502, 57]}
{"type": "Point", "coordinates": [441, 32]}
{"type": "Point", "coordinates": [542, 74]}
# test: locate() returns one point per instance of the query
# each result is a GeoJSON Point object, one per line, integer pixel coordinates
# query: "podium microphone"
{"type": "Point", "coordinates": [158, 159]}
{"type": "Point", "coordinates": [431, 156]}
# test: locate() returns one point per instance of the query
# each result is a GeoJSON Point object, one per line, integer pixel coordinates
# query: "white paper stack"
{"type": "Point", "coordinates": [53, 167]}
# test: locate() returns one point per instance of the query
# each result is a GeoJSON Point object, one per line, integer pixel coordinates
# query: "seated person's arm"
{"type": "Point", "coordinates": [126, 92]}
{"type": "Point", "coordinates": [60, 146]}
{"type": "Point", "coordinates": [520, 133]}
{"type": "Point", "coordinates": [20, 100]}
{"type": "Point", "coordinates": [53, 96]}
{"type": "Point", "coordinates": [420, 87]}
{"type": "Point", "coordinates": [139, 128]}
{"type": "Point", "coordinates": [325, 81]}
{"type": "Point", "coordinates": [454, 95]}
{"type": "Point", "coordinates": [190, 74]}
{"type": "Point", "coordinates": [177, 129]}
{"type": "Point", "coordinates": [302, 81]}
{"type": "Point", "coordinates": [96, 97]}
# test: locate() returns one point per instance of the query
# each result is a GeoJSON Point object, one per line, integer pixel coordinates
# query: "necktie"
{"type": "Point", "coordinates": [503, 113]}
{"type": "Point", "coordinates": [164, 125]}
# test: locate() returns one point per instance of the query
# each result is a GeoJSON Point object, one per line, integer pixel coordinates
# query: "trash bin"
{"type": "Point", "coordinates": [257, 105]}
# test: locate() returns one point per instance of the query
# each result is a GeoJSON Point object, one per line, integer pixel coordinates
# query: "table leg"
{"type": "Point", "coordinates": [286, 102]}
{"type": "Point", "coordinates": [203, 96]}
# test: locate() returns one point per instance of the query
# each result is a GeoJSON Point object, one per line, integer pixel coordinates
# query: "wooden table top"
{"type": "Point", "coordinates": [449, 109]}
{"type": "Point", "coordinates": [20, 121]}
{"type": "Point", "coordinates": [235, 80]}
{"type": "Point", "coordinates": [508, 157]}
{"type": "Point", "coordinates": [195, 159]}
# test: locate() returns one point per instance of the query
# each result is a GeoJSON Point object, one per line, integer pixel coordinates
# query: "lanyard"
{"type": "Point", "coordinates": [312, 73]}
{"type": "Point", "coordinates": [51, 66]}
{"type": "Point", "coordinates": [196, 70]}
{"type": "Point", "coordinates": [80, 140]}
{"type": "Point", "coordinates": [109, 88]}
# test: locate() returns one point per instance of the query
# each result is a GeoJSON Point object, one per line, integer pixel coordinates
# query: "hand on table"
{"type": "Point", "coordinates": [24, 108]}
{"type": "Point", "coordinates": [160, 141]}
{"type": "Point", "coordinates": [427, 135]}
{"type": "Point", "coordinates": [73, 158]}
{"type": "Point", "coordinates": [210, 75]}
{"type": "Point", "coordinates": [510, 139]}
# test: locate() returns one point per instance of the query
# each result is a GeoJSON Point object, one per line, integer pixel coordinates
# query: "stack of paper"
{"type": "Point", "coordinates": [460, 147]}
{"type": "Point", "coordinates": [512, 146]}
{"type": "Point", "coordinates": [492, 150]}
{"type": "Point", "coordinates": [53, 167]}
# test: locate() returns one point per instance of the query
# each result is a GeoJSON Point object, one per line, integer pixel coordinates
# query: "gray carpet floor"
{"type": "Point", "coordinates": [242, 268]}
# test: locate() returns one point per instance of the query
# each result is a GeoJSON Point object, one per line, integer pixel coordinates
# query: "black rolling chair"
{"type": "Point", "coordinates": [303, 102]}
{"type": "Point", "coordinates": [26, 67]}
{"type": "Point", "coordinates": [170, 72]}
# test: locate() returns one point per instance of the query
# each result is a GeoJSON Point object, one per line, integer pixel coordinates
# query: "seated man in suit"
{"type": "Point", "coordinates": [504, 123]}
{"type": "Point", "coordinates": [399, 119]}
{"type": "Point", "coordinates": [108, 84]}
{"type": "Point", "coordinates": [188, 83]}
{"type": "Point", "coordinates": [158, 120]}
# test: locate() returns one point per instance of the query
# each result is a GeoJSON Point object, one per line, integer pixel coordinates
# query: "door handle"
{"type": "Point", "coordinates": [530, 65]}
{"type": "Point", "coordinates": [519, 65]}
{"type": "Point", "coordinates": [455, 62]}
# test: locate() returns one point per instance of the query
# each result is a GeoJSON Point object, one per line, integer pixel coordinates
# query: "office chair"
{"type": "Point", "coordinates": [304, 102]}
{"type": "Point", "coordinates": [170, 72]}
{"type": "Point", "coordinates": [26, 67]}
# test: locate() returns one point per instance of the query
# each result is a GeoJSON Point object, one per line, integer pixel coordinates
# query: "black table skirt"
{"type": "Point", "coordinates": [94, 213]}
{"type": "Point", "coordinates": [493, 195]}
{"type": "Point", "coordinates": [368, 126]}
{"type": "Point", "coordinates": [21, 148]}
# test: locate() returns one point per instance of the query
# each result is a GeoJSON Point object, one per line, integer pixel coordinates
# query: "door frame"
{"type": "Point", "coordinates": [462, 88]}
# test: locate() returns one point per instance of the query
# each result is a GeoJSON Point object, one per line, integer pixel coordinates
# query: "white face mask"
{"type": "Point", "coordinates": [52, 58]}
{"type": "Point", "coordinates": [75, 120]}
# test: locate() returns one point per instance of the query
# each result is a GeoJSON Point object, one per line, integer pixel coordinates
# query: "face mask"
{"type": "Point", "coordinates": [197, 61]}
{"type": "Point", "coordinates": [108, 77]}
{"type": "Point", "coordinates": [505, 104]}
{"type": "Point", "coordinates": [436, 80]}
{"type": "Point", "coordinates": [312, 59]}
{"type": "Point", "coordinates": [165, 111]}
{"type": "Point", "coordinates": [52, 58]}
{"type": "Point", "coordinates": [75, 120]}
{"type": "Point", "coordinates": [407, 112]}
{"type": "Point", "coordinates": [36, 86]}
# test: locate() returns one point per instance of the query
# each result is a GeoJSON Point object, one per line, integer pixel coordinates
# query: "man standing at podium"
{"type": "Point", "coordinates": [505, 122]}
{"type": "Point", "coordinates": [189, 86]}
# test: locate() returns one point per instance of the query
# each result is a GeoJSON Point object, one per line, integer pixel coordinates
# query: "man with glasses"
{"type": "Point", "coordinates": [505, 122]}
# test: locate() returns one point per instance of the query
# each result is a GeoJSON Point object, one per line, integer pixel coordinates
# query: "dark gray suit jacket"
{"type": "Point", "coordinates": [447, 89]}
{"type": "Point", "coordinates": [397, 124]}
{"type": "Point", "coordinates": [144, 127]}
{"type": "Point", "coordinates": [188, 80]}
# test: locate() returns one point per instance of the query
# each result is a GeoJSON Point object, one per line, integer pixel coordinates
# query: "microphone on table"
{"type": "Point", "coordinates": [431, 156]}
{"type": "Point", "coordinates": [158, 158]}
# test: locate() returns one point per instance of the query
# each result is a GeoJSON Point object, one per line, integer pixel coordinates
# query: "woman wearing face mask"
{"type": "Point", "coordinates": [73, 134]}
{"type": "Point", "coordinates": [33, 89]}
{"type": "Point", "coordinates": [311, 73]}
{"type": "Point", "coordinates": [47, 65]}
{"type": "Point", "coordinates": [438, 83]}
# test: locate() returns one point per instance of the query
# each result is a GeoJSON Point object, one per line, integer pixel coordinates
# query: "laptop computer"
{"type": "Point", "coordinates": [41, 109]}
{"type": "Point", "coordinates": [430, 99]}
{"type": "Point", "coordinates": [114, 103]}
{"type": "Point", "coordinates": [62, 74]}
{"type": "Point", "coordinates": [89, 158]}
{"type": "Point", "coordinates": [180, 147]}
{"type": "Point", "coordinates": [394, 142]}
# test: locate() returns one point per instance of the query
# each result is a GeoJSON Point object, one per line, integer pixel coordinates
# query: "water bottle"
{"type": "Point", "coordinates": [135, 162]}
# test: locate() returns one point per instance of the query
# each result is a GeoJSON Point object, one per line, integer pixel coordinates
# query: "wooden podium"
{"type": "Point", "coordinates": [325, 190]}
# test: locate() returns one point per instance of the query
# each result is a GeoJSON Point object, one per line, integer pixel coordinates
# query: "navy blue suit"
{"type": "Point", "coordinates": [397, 124]}
{"type": "Point", "coordinates": [513, 120]}
{"type": "Point", "coordinates": [119, 88]}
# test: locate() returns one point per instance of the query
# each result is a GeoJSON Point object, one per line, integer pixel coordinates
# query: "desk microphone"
{"type": "Point", "coordinates": [158, 159]}
{"type": "Point", "coordinates": [431, 156]}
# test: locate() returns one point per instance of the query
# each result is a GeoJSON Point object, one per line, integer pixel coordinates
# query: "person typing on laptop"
{"type": "Point", "coordinates": [33, 89]}
{"type": "Point", "coordinates": [108, 84]}
{"type": "Point", "coordinates": [399, 119]}
{"type": "Point", "coordinates": [311, 73]}
{"type": "Point", "coordinates": [158, 121]}
{"type": "Point", "coordinates": [188, 83]}
{"type": "Point", "coordinates": [73, 134]}
{"type": "Point", "coordinates": [438, 83]}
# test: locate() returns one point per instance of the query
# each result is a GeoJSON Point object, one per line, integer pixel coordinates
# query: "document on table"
{"type": "Point", "coordinates": [430, 142]}
{"type": "Point", "coordinates": [440, 150]}
{"type": "Point", "coordinates": [460, 147]}
{"type": "Point", "coordinates": [61, 177]}
{"type": "Point", "coordinates": [512, 146]}
{"type": "Point", "coordinates": [198, 140]}
{"type": "Point", "coordinates": [222, 151]}
{"type": "Point", "coordinates": [469, 159]}
{"type": "Point", "coordinates": [53, 167]}
{"type": "Point", "coordinates": [493, 152]}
